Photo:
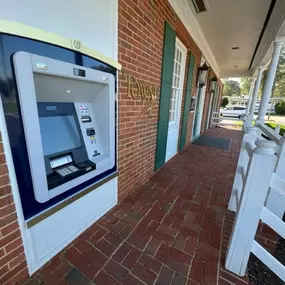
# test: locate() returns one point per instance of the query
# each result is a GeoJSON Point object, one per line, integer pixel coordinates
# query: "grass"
{"type": "Point", "coordinates": [269, 124]}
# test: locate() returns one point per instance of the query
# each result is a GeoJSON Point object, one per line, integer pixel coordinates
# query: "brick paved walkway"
{"type": "Point", "coordinates": [167, 232]}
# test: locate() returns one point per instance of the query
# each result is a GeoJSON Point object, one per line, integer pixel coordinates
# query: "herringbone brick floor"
{"type": "Point", "coordinates": [172, 230]}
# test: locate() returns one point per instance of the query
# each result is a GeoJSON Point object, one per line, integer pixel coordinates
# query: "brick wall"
{"type": "Point", "coordinates": [13, 266]}
{"type": "Point", "coordinates": [191, 46]}
{"type": "Point", "coordinates": [141, 31]}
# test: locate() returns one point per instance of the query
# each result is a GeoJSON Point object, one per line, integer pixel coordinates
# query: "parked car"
{"type": "Point", "coordinates": [233, 111]}
{"type": "Point", "coordinates": [268, 108]}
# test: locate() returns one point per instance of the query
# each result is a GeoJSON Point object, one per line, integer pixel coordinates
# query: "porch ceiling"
{"type": "Point", "coordinates": [231, 23]}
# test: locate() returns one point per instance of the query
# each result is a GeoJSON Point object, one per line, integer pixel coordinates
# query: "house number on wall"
{"type": "Point", "coordinates": [145, 92]}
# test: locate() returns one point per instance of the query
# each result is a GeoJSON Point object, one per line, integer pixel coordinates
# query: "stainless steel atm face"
{"type": "Point", "coordinates": [68, 114]}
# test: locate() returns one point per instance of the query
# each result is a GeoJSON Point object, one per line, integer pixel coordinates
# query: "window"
{"type": "Point", "coordinates": [176, 85]}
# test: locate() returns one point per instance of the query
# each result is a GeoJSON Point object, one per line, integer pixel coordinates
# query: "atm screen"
{"type": "Point", "coordinates": [59, 133]}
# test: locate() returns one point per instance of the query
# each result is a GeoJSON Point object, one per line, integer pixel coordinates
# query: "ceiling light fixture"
{"type": "Point", "coordinates": [235, 48]}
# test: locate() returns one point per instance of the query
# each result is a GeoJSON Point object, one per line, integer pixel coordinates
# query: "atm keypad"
{"type": "Point", "coordinates": [67, 170]}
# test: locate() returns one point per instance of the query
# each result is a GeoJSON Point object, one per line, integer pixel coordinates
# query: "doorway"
{"type": "Point", "coordinates": [176, 99]}
{"type": "Point", "coordinates": [198, 114]}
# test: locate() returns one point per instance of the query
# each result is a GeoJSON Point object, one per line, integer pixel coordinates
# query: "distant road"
{"type": "Point", "coordinates": [279, 120]}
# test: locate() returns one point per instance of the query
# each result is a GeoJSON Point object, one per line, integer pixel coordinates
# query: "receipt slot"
{"type": "Point", "coordinates": [68, 115]}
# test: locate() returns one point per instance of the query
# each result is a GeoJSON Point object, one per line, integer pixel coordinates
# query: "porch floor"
{"type": "Point", "coordinates": [173, 230]}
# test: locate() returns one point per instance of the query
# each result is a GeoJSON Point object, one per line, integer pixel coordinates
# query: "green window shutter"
{"type": "Point", "coordinates": [165, 94]}
{"type": "Point", "coordinates": [187, 101]}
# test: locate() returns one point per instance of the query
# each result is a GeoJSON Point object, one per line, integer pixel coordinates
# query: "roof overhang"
{"type": "Point", "coordinates": [252, 26]}
{"type": "Point", "coordinates": [189, 20]}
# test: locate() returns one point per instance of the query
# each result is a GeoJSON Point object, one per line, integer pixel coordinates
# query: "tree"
{"type": "Point", "coordinates": [280, 108]}
{"type": "Point", "coordinates": [231, 88]}
{"type": "Point", "coordinates": [225, 102]}
{"type": "Point", "coordinates": [245, 83]}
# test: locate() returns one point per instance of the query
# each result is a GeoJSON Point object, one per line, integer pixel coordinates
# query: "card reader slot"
{"type": "Point", "coordinates": [86, 119]}
{"type": "Point", "coordinates": [90, 132]}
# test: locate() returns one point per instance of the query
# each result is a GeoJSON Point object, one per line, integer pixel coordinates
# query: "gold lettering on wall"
{"type": "Point", "coordinates": [143, 91]}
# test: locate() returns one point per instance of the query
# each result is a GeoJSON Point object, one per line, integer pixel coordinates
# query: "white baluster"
{"type": "Point", "coordinates": [275, 201]}
{"type": "Point", "coordinates": [277, 130]}
{"type": "Point", "coordinates": [260, 170]}
{"type": "Point", "coordinates": [251, 134]}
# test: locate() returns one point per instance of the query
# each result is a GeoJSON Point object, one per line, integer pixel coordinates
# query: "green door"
{"type": "Point", "coordinates": [187, 102]}
{"type": "Point", "coordinates": [165, 94]}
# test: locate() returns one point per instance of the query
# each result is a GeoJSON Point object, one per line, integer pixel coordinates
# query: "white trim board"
{"type": "Point", "coordinates": [188, 18]}
{"type": "Point", "coordinates": [172, 127]}
{"type": "Point", "coordinates": [13, 180]}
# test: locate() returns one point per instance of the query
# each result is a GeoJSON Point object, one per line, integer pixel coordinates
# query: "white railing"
{"type": "Point", "coordinates": [270, 133]}
{"type": "Point", "coordinates": [248, 143]}
{"type": "Point", "coordinates": [275, 201]}
{"type": "Point", "coordinates": [218, 119]}
{"type": "Point", "coordinates": [261, 180]}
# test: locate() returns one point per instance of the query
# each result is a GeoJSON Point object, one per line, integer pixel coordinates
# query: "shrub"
{"type": "Point", "coordinates": [273, 126]}
{"type": "Point", "coordinates": [280, 108]}
{"type": "Point", "coordinates": [225, 102]}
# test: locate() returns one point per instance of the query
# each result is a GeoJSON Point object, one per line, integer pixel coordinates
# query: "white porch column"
{"type": "Point", "coordinates": [254, 95]}
{"type": "Point", "coordinates": [269, 82]}
{"type": "Point", "coordinates": [250, 96]}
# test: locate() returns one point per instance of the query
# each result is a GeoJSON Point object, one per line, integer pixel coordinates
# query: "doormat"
{"type": "Point", "coordinates": [213, 142]}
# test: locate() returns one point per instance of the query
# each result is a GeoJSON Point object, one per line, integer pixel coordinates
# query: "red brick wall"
{"type": "Point", "coordinates": [191, 46]}
{"type": "Point", "coordinates": [13, 266]}
{"type": "Point", "coordinates": [141, 31]}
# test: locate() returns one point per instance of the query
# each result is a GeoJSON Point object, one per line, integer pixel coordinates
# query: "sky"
{"type": "Point", "coordinates": [232, 78]}
{"type": "Point", "coordinates": [235, 79]}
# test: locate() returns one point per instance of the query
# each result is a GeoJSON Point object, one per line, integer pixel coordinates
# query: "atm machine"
{"type": "Point", "coordinates": [68, 115]}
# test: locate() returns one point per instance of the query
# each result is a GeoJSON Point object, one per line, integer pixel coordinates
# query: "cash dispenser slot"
{"type": "Point", "coordinates": [60, 161]}
{"type": "Point", "coordinates": [64, 169]}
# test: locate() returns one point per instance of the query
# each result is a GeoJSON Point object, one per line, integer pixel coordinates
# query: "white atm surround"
{"type": "Point", "coordinates": [42, 79]}
{"type": "Point", "coordinates": [50, 236]}
{"type": "Point", "coordinates": [54, 234]}
{"type": "Point", "coordinates": [47, 238]}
